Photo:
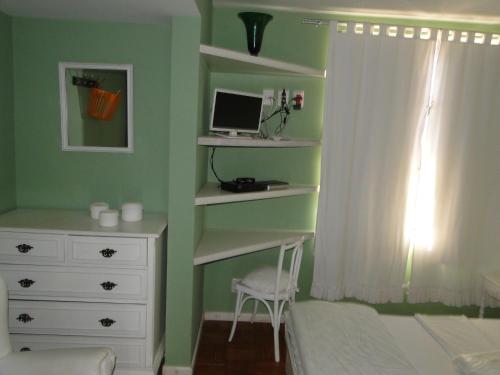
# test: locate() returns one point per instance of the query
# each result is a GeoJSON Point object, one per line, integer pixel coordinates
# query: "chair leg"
{"type": "Point", "coordinates": [255, 306]}
{"type": "Point", "coordinates": [237, 312]}
{"type": "Point", "coordinates": [276, 331]}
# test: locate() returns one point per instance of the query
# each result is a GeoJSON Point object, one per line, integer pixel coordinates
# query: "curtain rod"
{"type": "Point", "coordinates": [315, 21]}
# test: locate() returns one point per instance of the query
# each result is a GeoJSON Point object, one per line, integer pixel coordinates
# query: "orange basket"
{"type": "Point", "coordinates": [103, 104]}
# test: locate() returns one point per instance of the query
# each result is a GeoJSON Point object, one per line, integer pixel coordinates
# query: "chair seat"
{"type": "Point", "coordinates": [263, 280]}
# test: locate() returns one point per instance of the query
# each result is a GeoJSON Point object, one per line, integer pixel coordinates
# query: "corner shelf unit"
{"type": "Point", "coordinates": [217, 244]}
{"type": "Point", "coordinates": [214, 140]}
{"type": "Point", "coordinates": [212, 194]}
{"type": "Point", "coordinates": [229, 61]}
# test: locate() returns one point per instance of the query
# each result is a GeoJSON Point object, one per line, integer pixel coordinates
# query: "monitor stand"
{"type": "Point", "coordinates": [233, 134]}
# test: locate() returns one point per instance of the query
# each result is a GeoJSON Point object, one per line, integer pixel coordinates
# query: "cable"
{"type": "Point", "coordinates": [283, 110]}
{"type": "Point", "coordinates": [212, 165]}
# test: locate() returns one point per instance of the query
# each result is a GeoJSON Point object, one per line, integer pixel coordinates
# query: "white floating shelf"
{"type": "Point", "coordinates": [217, 244]}
{"type": "Point", "coordinates": [214, 140]}
{"type": "Point", "coordinates": [229, 61]}
{"type": "Point", "coordinates": [212, 194]}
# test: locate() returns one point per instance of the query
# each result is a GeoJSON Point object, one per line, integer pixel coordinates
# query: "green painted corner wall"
{"type": "Point", "coordinates": [285, 38]}
{"type": "Point", "coordinates": [7, 152]}
{"type": "Point", "coordinates": [49, 177]}
{"type": "Point", "coordinates": [205, 10]}
{"type": "Point", "coordinates": [184, 282]}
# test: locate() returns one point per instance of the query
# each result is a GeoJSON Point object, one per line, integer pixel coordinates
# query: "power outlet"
{"type": "Point", "coordinates": [268, 95]}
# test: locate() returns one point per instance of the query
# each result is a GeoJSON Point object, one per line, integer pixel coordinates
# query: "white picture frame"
{"type": "Point", "coordinates": [64, 68]}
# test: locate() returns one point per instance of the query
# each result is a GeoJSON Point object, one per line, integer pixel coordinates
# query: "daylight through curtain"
{"type": "Point", "coordinates": [462, 163]}
{"type": "Point", "coordinates": [377, 90]}
{"type": "Point", "coordinates": [410, 165]}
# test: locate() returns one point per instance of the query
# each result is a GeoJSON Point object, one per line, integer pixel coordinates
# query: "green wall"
{"type": "Point", "coordinates": [7, 157]}
{"type": "Point", "coordinates": [285, 38]}
{"type": "Point", "coordinates": [205, 9]}
{"type": "Point", "coordinates": [184, 283]}
{"type": "Point", "coordinates": [189, 107]}
{"type": "Point", "coordinates": [49, 177]}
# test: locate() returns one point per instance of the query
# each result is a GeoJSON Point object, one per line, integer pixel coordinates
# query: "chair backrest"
{"type": "Point", "coordinates": [295, 261]}
{"type": "Point", "coordinates": [5, 347]}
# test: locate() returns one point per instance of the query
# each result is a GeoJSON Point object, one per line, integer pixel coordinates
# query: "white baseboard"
{"type": "Point", "coordinates": [177, 370]}
{"type": "Point", "coordinates": [171, 370]}
{"type": "Point", "coordinates": [244, 317]}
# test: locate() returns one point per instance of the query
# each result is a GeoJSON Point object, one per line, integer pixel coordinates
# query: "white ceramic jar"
{"type": "Point", "coordinates": [132, 211]}
{"type": "Point", "coordinates": [108, 218]}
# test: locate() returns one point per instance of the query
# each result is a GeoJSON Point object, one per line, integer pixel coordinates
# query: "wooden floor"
{"type": "Point", "coordinates": [250, 353]}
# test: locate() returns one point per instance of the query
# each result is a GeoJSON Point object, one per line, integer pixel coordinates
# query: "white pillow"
{"type": "Point", "coordinates": [484, 363]}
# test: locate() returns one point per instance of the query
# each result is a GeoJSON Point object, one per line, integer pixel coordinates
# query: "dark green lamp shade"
{"type": "Point", "coordinates": [255, 23]}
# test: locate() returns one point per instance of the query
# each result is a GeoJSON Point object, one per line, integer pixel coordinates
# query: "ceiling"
{"type": "Point", "coordinates": [112, 10]}
{"type": "Point", "coordinates": [487, 11]}
{"type": "Point", "coordinates": [454, 10]}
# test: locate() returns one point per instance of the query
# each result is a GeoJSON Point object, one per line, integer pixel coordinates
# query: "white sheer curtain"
{"type": "Point", "coordinates": [377, 86]}
{"type": "Point", "coordinates": [463, 141]}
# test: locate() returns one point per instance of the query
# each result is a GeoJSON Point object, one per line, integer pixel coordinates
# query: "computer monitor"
{"type": "Point", "coordinates": [236, 112]}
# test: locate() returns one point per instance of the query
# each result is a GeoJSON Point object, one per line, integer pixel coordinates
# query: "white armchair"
{"type": "Point", "coordinates": [84, 361]}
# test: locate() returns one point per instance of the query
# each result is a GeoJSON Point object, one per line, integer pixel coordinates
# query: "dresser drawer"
{"type": "Point", "coordinates": [71, 282]}
{"type": "Point", "coordinates": [129, 352]}
{"type": "Point", "coordinates": [29, 248]}
{"type": "Point", "coordinates": [73, 318]}
{"type": "Point", "coordinates": [106, 251]}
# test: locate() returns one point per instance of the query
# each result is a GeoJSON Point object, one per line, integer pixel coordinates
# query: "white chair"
{"type": "Point", "coordinates": [85, 361]}
{"type": "Point", "coordinates": [270, 284]}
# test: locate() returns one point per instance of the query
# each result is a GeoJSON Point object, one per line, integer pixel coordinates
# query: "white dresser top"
{"type": "Point", "coordinates": [77, 222]}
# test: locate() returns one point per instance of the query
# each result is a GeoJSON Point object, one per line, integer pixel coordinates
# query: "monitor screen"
{"type": "Point", "coordinates": [235, 111]}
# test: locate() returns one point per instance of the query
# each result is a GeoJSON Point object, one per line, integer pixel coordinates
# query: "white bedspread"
{"type": "Point", "coordinates": [456, 334]}
{"type": "Point", "coordinates": [472, 344]}
{"type": "Point", "coordinates": [487, 363]}
{"type": "Point", "coordinates": [357, 341]}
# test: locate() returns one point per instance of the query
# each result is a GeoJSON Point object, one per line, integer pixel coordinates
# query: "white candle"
{"type": "Point", "coordinates": [96, 208]}
{"type": "Point", "coordinates": [108, 218]}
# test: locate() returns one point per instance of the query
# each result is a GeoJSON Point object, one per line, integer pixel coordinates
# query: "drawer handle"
{"type": "Point", "coordinates": [108, 253]}
{"type": "Point", "coordinates": [106, 322]}
{"type": "Point", "coordinates": [23, 248]}
{"type": "Point", "coordinates": [108, 285]}
{"type": "Point", "coordinates": [25, 318]}
{"type": "Point", "coordinates": [25, 349]}
{"type": "Point", "coordinates": [26, 283]}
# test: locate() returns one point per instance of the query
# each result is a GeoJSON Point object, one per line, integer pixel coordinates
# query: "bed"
{"type": "Point", "coordinates": [325, 338]}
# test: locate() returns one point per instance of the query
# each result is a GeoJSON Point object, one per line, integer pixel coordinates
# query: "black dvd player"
{"type": "Point", "coordinates": [238, 186]}
{"type": "Point", "coordinates": [241, 187]}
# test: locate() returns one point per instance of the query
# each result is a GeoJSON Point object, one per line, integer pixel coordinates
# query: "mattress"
{"type": "Point", "coordinates": [414, 343]}
{"type": "Point", "coordinates": [428, 357]}
{"type": "Point", "coordinates": [356, 341]}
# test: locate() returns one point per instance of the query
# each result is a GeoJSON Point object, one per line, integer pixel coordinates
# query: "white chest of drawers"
{"type": "Point", "coordinates": [73, 283]}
